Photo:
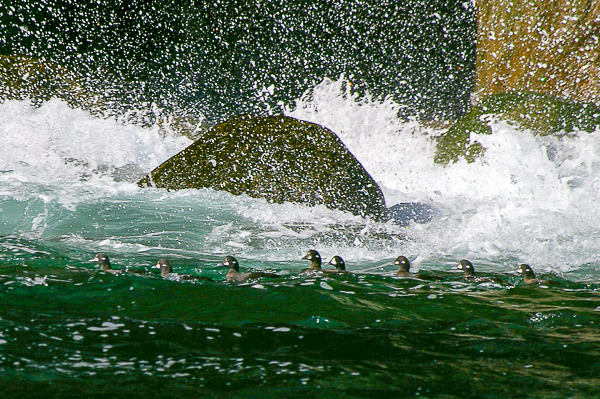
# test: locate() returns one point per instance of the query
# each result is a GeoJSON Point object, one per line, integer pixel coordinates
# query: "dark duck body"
{"type": "Point", "coordinates": [167, 271]}
{"type": "Point", "coordinates": [234, 275]}
{"type": "Point", "coordinates": [529, 276]}
{"type": "Point", "coordinates": [469, 273]}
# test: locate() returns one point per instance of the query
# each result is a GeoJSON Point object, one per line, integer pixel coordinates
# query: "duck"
{"type": "Point", "coordinates": [404, 264]}
{"type": "Point", "coordinates": [469, 273]}
{"type": "Point", "coordinates": [105, 266]}
{"type": "Point", "coordinates": [529, 276]}
{"type": "Point", "coordinates": [404, 270]}
{"type": "Point", "coordinates": [315, 262]}
{"type": "Point", "coordinates": [102, 259]}
{"type": "Point", "coordinates": [338, 263]}
{"type": "Point", "coordinates": [167, 271]}
{"type": "Point", "coordinates": [234, 275]}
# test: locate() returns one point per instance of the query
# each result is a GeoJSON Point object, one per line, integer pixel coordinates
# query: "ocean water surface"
{"type": "Point", "coordinates": [67, 193]}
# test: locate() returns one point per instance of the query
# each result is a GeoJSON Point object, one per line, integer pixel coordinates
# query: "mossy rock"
{"type": "Point", "coordinates": [278, 158]}
{"type": "Point", "coordinates": [31, 78]}
{"type": "Point", "coordinates": [456, 143]}
{"type": "Point", "coordinates": [540, 114]}
{"type": "Point", "coordinates": [543, 114]}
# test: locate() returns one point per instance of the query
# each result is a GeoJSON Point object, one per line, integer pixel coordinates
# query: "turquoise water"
{"type": "Point", "coordinates": [67, 192]}
{"type": "Point", "coordinates": [69, 329]}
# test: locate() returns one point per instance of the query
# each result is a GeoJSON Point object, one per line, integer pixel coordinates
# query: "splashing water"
{"type": "Point", "coordinates": [529, 198]}
{"type": "Point", "coordinates": [532, 198]}
{"type": "Point", "coordinates": [67, 190]}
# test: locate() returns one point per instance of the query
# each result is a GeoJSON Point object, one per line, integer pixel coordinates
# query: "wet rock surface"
{"type": "Point", "coordinates": [278, 158]}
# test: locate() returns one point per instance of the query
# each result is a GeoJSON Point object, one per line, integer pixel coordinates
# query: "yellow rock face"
{"type": "Point", "coordinates": [539, 46]}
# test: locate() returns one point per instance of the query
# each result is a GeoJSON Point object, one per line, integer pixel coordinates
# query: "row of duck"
{"type": "Point", "coordinates": [339, 267]}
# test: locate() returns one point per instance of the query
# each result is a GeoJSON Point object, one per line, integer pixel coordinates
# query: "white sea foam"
{"type": "Point", "coordinates": [55, 143]}
{"type": "Point", "coordinates": [531, 199]}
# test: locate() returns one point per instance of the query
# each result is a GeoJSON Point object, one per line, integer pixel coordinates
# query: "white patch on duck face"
{"type": "Point", "coordinates": [333, 261]}
{"type": "Point", "coordinates": [459, 266]}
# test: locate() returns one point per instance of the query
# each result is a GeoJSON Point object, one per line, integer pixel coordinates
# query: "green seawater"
{"type": "Point", "coordinates": [68, 329]}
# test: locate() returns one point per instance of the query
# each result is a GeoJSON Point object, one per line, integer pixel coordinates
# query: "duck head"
{"type": "Point", "coordinates": [403, 262]}
{"type": "Point", "coordinates": [466, 267]}
{"type": "Point", "coordinates": [102, 260]}
{"type": "Point", "coordinates": [164, 266]}
{"type": "Point", "coordinates": [315, 259]}
{"type": "Point", "coordinates": [231, 263]}
{"type": "Point", "coordinates": [338, 263]}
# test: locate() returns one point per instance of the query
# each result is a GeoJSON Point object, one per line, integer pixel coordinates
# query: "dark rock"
{"type": "Point", "coordinates": [278, 158]}
{"type": "Point", "coordinates": [39, 80]}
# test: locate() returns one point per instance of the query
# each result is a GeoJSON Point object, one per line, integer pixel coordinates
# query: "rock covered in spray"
{"type": "Point", "coordinates": [539, 114]}
{"type": "Point", "coordinates": [538, 46]}
{"type": "Point", "coordinates": [537, 66]}
{"type": "Point", "coordinates": [39, 80]}
{"type": "Point", "coordinates": [278, 158]}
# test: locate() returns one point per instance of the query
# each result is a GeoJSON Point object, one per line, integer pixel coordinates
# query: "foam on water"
{"type": "Point", "coordinates": [529, 199]}
{"type": "Point", "coordinates": [56, 153]}
{"type": "Point", "coordinates": [55, 143]}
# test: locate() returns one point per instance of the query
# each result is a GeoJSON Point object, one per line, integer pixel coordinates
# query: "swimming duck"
{"type": "Point", "coordinates": [404, 264]}
{"type": "Point", "coordinates": [338, 263]}
{"type": "Point", "coordinates": [315, 258]}
{"type": "Point", "coordinates": [104, 263]}
{"type": "Point", "coordinates": [404, 270]}
{"type": "Point", "coordinates": [315, 262]}
{"type": "Point", "coordinates": [469, 273]}
{"type": "Point", "coordinates": [167, 271]}
{"type": "Point", "coordinates": [529, 276]}
{"type": "Point", "coordinates": [234, 274]}
{"type": "Point", "coordinates": [105, 266]}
